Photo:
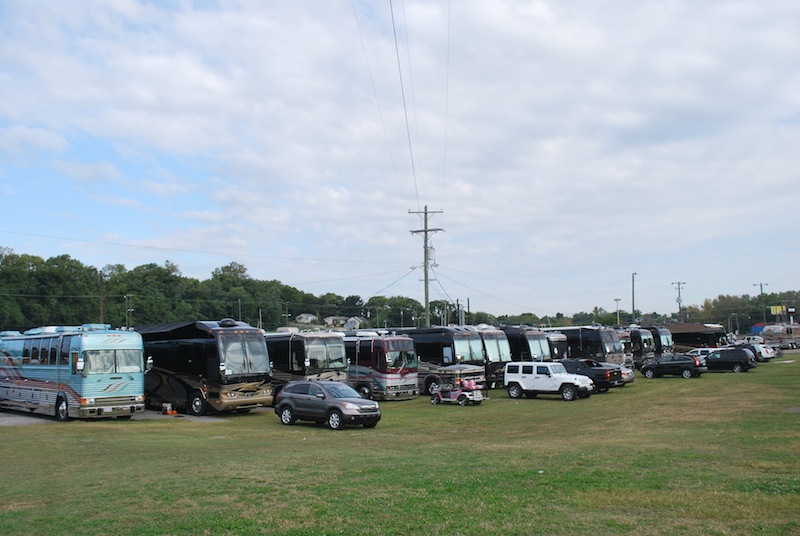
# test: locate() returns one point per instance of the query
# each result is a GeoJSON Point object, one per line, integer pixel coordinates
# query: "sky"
{"type": "Point", "coordinates": [560, 147]}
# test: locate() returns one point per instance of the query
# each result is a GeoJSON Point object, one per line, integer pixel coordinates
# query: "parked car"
{"type": "Point", "coordinates": [626, 373]}
{"type": "Point", "coordinates": [603, 377]}
{"type": "Point", "coordinates": [735, 358]}
{"type": "Point", "coordinates": [688, 366]}
{"type": "Point", "coordinates": [700, 352]}
{"type": "Point", "coordinates": [765, 352]}
{"type": "Point", "coordinates": [534, 378]}
{"type": "Point", "coordinates": [330, 402]}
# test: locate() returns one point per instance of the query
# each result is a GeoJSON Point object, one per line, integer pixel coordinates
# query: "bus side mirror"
{"type": "Point", "coordinates": [148, 365]}
{"type": "Point", "coordinates": [79, 364]}
{"type": "Point", "coordinates": [222, 369]}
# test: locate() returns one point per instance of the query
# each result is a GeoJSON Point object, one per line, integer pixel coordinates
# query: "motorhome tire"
{"type": "Point", "coordinates": [197, 404]}
{"type": "Point", "coordinates": [364, 390]}
{"type": "Point", "coordinates": [62, 410]}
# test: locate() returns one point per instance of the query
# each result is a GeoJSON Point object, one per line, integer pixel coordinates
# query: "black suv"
{"type": "Point", "coordinates": [321, 401]}
{"type": "Point", "coordinates": [604, 378]}
{"type": "Point", "coordinates": [684, 365]}
{"type": "Point", "coordinates": [736, 359]}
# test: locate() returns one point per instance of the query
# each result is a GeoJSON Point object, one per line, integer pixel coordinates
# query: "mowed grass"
{"type": "Point", "coordinates": [718, 454]}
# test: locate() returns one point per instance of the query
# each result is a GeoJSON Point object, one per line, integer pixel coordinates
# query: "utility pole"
{"type": "Point", "coordinates": [617, 300]}
{"type": "Point", "coordinates": [633, 298]}
{"type": "Point", "coordinates": [426, 257]}
{"type": "Point", "coordinates": [763, 305]}
{"type": "Point", "coordinates": [679, 283]}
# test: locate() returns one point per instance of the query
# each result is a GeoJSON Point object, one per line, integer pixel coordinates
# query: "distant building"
{"type": "Point", "coordinates": [305, 318]}
{"type": "Point", "coordinates": [335, 321]}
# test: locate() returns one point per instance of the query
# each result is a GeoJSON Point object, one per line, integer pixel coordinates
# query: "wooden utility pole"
{"type": "Point", "coordinates": [426, 257]}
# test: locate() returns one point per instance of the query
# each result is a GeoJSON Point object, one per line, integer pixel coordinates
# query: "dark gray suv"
{"type": "Point", "coordinates": [329, 402]}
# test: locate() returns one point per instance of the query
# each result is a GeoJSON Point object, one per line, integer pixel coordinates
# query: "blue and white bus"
{"type": "Point", "coordinates": [84, 372]}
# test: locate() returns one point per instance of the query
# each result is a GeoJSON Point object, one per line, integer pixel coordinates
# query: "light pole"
{"type": "Point", "coordinates": [763, 305]}
{"type": "Point", "coordinates": [617, 300]}
{"type": "Point", "coordinates": [633, 298]}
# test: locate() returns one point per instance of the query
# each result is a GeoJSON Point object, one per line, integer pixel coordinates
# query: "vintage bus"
{"type": "Point", "coordinates": [528, 343]}
{"type": "Point", "coordinates": [305, 355]}
{"type": "Point", "coordinates": [596, 342]}
{"type": "Point", "coordinates": [444, 346]}
{"type": "Point", "coordinates": [382, 366]}
{"type": "Point", "coordinates": [207, 365]}
{"type": "Point", "coordinates": [84, 372]}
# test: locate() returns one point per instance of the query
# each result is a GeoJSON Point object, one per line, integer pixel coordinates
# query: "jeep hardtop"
{"type": "Point", "coordinates": [534, 378]}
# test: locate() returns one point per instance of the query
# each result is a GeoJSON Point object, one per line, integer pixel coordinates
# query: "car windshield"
{"type": "Point", "coordinates": [558, 368]}
{"type": "Point", "coordinates": [341, 390]}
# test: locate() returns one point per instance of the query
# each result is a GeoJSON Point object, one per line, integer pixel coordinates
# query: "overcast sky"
{"type": "Point", "coordinates": [561, 146]}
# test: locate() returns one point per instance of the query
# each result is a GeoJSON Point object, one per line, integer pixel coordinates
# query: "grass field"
{"type": "Point", "coordinates": [718, 454]}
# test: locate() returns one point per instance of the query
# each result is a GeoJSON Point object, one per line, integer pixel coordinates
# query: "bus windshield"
{"type": "Point", "coordinates": [611, 342]}
{"type": "Point", "coordinates": [540, 349]}
{"type": "Point", "coordinates": [469, 349]}
{"type": "Point", "coordinates": [497, 348]}
{"type": "Point", "coordinates": [113, 361]}
{"type": "Point", "coordinates": [243, 353]}
{"type": "Point", "coordinates": [325, 353]}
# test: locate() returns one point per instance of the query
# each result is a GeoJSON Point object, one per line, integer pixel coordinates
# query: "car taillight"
{"type": "Point", "coordinates": [696, 361]}
{"type": "Point", "coordinates": [608, 374]}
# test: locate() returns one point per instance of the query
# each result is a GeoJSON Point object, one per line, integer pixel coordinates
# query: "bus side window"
{"type": "Point", "coordinates": [63, 358]}
{"type": "Point", "coordinates": [34, 360]}
{"type": "Point", "coordinates": [53, 352]}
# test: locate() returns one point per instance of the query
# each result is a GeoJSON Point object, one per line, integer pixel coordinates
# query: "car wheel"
{"type": "Point", "coordinates": [649, 373]}
{"type": "Point", "coordinates": [462, 400]}
{"type": "Point", "coordinates": [335, 420]}
{"type": "Point", "coordinates": [197, 405]}
{"type": "Point", "coordinates": [567, 392]}
{"type": "Point", "coordinates": [737, 368]}
{"type": "Point", "coordinates": [287, 416]}
{"type": "Point", "coordinates": [514, 391]}
{"type": "Point", "coordinates": [62, 410]}
{"type": "Point", "coordinates": [687, 373]}
{"type": "Point", "coordinates": [435, 399]}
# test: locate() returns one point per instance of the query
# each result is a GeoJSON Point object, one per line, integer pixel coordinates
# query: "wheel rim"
{"type": "Point", "coordinates": [648, 373]}
{"type": "Point", "coordinates": [568, 393]}
{"type": "Point", "coordinates": [687, 373]}
{"type": "Point", "coordinates": [433, 387]}
{"type": "Point", "coordinates": [335, 420]}
{"type": "Point", "coordinates": [462, 400]}
{"type": "Point", "coordinates": [737, 368]}
{"type": "Point", "coordinates": [286, 416]}
{"type": "Point", "coordinates": [513, 391]}
{"type": "Point", "coordinates": [197, 405]}
{"type": "Point", "coordinates": [364, 391]}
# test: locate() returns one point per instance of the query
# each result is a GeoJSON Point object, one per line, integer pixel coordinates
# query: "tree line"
{"type": "Point", "coordinates": [64, 291]}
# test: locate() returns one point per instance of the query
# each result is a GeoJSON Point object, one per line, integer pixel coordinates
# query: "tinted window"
{"type": "Point", "coordinates": [527, 369]}
{"type": "Point", "coordinates": [301, 389]}
{"type": "Point", "coordinates": [513, 369]}
{"type": "Point", "coordinates": [314, 390]}
{"type": "Point", "coordinates": [541, 370]}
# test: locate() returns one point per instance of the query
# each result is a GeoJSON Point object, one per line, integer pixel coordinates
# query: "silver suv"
{"type": "Point", "coordinates": [330, 402]}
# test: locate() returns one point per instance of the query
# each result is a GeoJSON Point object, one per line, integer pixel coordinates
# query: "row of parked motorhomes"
{"type": "Point", "coordinates": [94, 371]}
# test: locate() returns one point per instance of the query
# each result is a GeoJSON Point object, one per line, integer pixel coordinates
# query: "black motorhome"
{"type": "Point", "coordinates": [306, 355]}
{"type": "Point", "coordinates": [596, 342]}
{"type": "Point", "coordinates": [444, 346]}
{"type": "Point", "coordinates": [528, 343]}
{"type": "Point", "coordinates": [663, 340]}
{"type": "Point", "coordinates": [204, 364]}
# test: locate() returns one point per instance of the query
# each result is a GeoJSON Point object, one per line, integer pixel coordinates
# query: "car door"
{"type": "Point", "coordinates": [317, 402]}
{"type": "Point", "coordinates": [714, 361]}
{"type": "Point", "coordinates": [300, 398]}
{"type": "Point", "coordinates": [543, 378]}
